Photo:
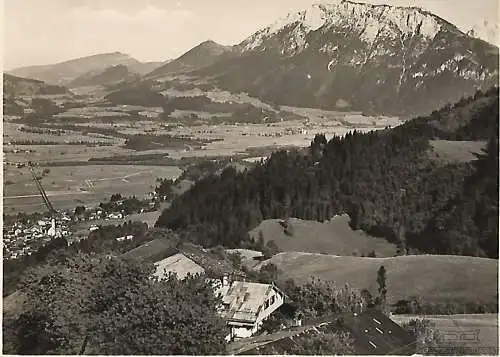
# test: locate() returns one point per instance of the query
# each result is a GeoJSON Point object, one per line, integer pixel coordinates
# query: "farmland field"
{"type": "Point", "coordinates": [431, 277]}
{"type": "Point", "coordinates": [68, 187]}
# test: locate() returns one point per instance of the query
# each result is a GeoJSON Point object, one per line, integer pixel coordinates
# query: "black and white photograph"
{"type": "Point", "coordinates": [264, 177]}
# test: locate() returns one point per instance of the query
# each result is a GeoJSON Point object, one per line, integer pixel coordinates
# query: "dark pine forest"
{"type": "Point", "coordinates": [389, 182]}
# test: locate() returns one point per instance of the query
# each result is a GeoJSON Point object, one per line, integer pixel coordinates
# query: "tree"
{"type": "Point", "coordinates": [79, 210]}
{"type": "Point", "coordinates": [270, 249]}
{"type": "Point", "coordinates": [115, 306]}
{"type": "Point", "coordinates": [260, 241]}
{"type": "Point", "coordinates": [115, 197]}
{"type": "Point", "coordinates": [366, 298]}
{"type": "Point", "coordinates": [426, 335]}
{"type": "Point", "coordinates": [288, 227]}
{"type": "Point", "coordinates": [164, 187]}
{"type": "Point", "coordinates": [329, 343]}
{"type": "Point", "coordinates": [321, 298]}
{"type": "Point", "coordinates": [381, 300]}
{"type": "Point", "coordinates": [268, 273]}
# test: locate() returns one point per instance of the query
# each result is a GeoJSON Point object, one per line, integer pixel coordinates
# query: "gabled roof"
{"type": "Point", "coordinates": [244, 301]}
{"type": "Point", "coordinates": [178, 264]}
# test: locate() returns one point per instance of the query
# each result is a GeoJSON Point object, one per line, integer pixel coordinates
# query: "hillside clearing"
{"type": "Point", "coordinates": [331, 237]}
{"type": "Point", "coordinates": [456, 151]}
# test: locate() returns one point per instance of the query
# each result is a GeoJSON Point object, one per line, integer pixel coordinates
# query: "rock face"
{"type": "Point", "coordinates": [376, 58]}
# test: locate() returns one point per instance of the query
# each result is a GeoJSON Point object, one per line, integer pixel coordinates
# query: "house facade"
{"type": "Point", "coordinates": [246, 305]}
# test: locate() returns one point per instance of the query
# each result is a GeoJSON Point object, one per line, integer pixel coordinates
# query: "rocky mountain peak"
{"type": "Point", "coordinates": [369, 22]}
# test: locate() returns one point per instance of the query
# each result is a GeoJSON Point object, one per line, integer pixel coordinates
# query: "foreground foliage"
{"type": "Point", "coordinates": [106, 305]}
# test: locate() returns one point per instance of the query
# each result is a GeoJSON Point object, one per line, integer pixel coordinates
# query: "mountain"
{"type": "Point", "coordinates": [388, 182]}
{"type": "Point", "coordinates": [201, 56]}
{"type": "Point", "coordinates": [147, 67]}
{"type": "Point", "coordinates": [377, 58]}
{"type": "Point", "coordinates": [111, 75]}
{"type": "Point", "coordinates": [65, 72]}
{"type": "Point", "coordinates": [17, 86]}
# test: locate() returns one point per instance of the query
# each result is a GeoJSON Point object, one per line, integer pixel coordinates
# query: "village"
{"type": "Point", "coordinates": [27, 235]}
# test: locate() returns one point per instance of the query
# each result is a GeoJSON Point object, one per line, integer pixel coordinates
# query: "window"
{"type": "Point", "coordinates": [272, 300]}
{"type": "Point", "coordinates": [266, 304]}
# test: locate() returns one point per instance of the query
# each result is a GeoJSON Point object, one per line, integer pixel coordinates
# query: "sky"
{"type": "Point", "coordinates": [51, 31]}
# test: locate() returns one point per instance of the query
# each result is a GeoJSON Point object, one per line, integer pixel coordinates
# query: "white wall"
{"type": "Point", "coordinates": [264, 313]}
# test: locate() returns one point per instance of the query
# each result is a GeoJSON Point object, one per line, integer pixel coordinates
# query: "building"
{"type": "Point", "coordinates": [52, 230]}
{"type": "Point", "coordinates": [178, 264]}
{"type": "Point", "coordinates": [149, 114]}
{"type": "Point", "coordinates": [373, 333]}
{"type": "Point", "coordinates": [246, 305]}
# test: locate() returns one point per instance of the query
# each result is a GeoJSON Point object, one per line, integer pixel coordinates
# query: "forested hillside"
{"type": "Point", "coordinates": [384, 180]}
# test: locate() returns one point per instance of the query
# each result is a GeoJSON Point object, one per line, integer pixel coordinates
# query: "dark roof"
{"type": "Point", "coordinates": [153, 251]}
{"type": "Point", "coordinates": [375, 333]}
{"type": "Point", "coordinates": [161, 248]}
{"type": "Point", "coordinates": [213, 265]}
{"type": "Point", "coordinates": [364, 328]}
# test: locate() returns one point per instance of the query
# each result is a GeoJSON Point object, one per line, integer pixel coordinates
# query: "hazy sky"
{"type": "Point", "coordinates": [49, 31]}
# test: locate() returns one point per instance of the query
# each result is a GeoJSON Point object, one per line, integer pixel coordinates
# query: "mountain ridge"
{"type": "Point", "coordinates": [66, 71]}
{"type": "Point", "coordinates": [19, 86]}
{"type": "Point", "coordinates": [202, 55]}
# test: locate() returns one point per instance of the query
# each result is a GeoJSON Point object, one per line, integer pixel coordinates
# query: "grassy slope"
{"type": "Point", "coordinates": [428, 276]}
{"type": "Point", "coordinates": [331, 237]}
{"type": "Point", "coordinates": [456, 151]}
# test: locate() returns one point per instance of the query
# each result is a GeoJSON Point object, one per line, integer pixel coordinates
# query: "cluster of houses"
{"type": "Point", "coordinates": [246, 305]}
{"type": "Point", "coordinates": [287, 131]}
{"type": "Point", "coordinates": [23, 239]}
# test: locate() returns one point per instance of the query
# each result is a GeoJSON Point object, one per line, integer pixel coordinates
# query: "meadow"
{"type": "Point", "coordinates": [331, 237]}
{"type": "Point", "coordinates": [434, 278]}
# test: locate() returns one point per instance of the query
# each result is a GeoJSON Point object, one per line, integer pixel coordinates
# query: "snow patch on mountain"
{"type": "Point", "coordinates": [312, 19]}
